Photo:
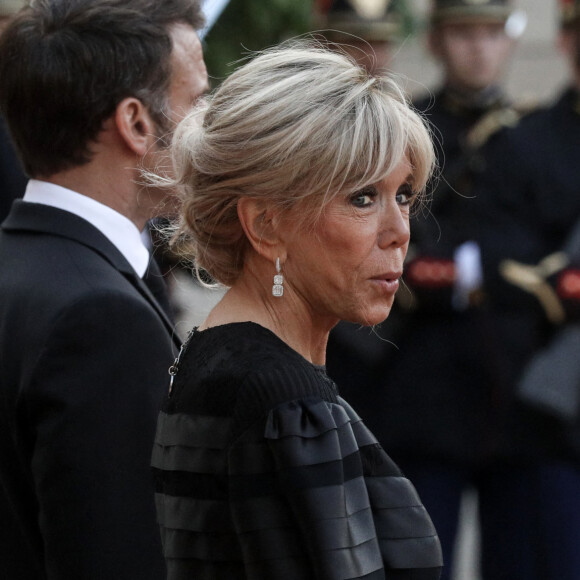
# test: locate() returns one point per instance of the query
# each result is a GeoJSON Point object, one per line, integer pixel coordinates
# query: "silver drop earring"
{"type": "Point", "coordinates": [278, 289]}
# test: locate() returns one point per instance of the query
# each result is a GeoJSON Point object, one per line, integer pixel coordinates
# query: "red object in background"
{"type": "Point", "coordinates": [569, 285]}
{"type": "Point", "coordinates": [429, 272]}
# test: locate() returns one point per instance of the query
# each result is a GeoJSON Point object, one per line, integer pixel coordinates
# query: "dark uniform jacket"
{"type": "Point", "coordinates": [530, 204]}
{"type": "Point", "coordinates": [84, 353]}
{"type": "Point", "coordinates": [429, 393]}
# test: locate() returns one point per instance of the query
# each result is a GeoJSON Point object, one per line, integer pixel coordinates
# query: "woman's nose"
{"type": "Point", "coordinates": [395, 230]}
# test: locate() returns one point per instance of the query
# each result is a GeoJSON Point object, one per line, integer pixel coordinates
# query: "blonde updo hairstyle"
{"type": "Point", "coordinates": [296, 125]}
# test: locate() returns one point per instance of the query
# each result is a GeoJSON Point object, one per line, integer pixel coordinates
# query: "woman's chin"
{"type": "Point", "coordinates": [372, 318]}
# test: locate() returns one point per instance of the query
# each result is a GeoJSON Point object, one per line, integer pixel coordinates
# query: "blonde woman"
{"type": "Point", "coordinates": [298, 177]}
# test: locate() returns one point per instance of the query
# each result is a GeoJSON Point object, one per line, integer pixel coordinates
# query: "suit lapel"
{"type": "Point", "coordinates": [146, 293]}
{"type": "Point", "coordinates": [46, 219]}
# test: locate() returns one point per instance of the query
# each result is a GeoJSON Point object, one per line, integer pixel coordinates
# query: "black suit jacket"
{"type": "Point", "coordinates": [84, 353]}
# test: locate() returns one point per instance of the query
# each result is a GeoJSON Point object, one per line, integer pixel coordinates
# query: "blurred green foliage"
{"type": "Point", "coordinates": [249, 25]}
{"type": "Point", "coordinates": [409, 21]}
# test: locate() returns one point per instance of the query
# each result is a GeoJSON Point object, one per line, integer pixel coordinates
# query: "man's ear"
{"type": "Point", "coordinates": [135, 125]}
{"type": "Point", "coordinates": [261, 223]}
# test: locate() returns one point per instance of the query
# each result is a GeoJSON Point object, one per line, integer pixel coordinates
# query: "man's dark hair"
{"type": "Point", "coordinates": [65, 65]}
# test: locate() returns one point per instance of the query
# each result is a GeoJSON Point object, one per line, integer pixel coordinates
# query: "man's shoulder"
{"type": "Point", "coordinates": [522, 142]}
{"type": "Point", "coordinates": [56, 278]}
{"type": "Point", "coordinates": [28, 220]}
{"type": "Point", "coordinates": [53, 261]}
{"type": "Point", "coordinates": [57, 248]}
{"type": "Point", "coordinates": [501, 119]}
{"type": "Point", "coordinates": [533, 120]}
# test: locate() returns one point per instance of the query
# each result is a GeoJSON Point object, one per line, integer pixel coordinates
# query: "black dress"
{"type": "Point", "coordinates": [264, 472]}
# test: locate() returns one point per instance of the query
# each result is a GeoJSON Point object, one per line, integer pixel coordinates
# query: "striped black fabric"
{"type": "Point", "coordinates": [263, 472]}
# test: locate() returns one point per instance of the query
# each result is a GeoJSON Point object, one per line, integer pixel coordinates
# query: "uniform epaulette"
{"type": "Point", "coordinates": [527, 105]}
{"type": "Point", "coordinates": [498, 119]}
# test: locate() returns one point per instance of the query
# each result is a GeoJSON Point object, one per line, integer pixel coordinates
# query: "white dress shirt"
{"type": "Point", "coordinates": [121, 231]}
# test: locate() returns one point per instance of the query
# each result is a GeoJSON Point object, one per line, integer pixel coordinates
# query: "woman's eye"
{"type": "Point", "coordinates": [405, 195]}
{"type": "Point", "coordinates": [364, 197]}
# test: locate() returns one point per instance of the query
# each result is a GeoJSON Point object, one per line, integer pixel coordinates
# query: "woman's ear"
{"type": "Point", "coordinates": [261, 222]}
{"type": "Point", "coordinates": [135, 125]}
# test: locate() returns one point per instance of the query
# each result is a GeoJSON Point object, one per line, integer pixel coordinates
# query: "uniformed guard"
{"type": "Point", "coordinates": [365, 29]}
{"type": "Point", "coordinates": [531, 254]}
{"type": "Point", "coordinates": [432, 396]}
{"type": "Point", "coordinates": [472, 42]}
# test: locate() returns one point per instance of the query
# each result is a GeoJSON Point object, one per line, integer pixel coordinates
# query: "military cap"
{"type": "Point", "coordinates": [367, 19]}
{"type": "Point", "coordinates": [461, 10]}
{"type": "Point", "coordinates": [10, 7]}
{"type": "Point", "coordinates": [570, 11]}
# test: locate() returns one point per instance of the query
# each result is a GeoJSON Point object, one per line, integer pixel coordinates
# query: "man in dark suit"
{"type": "Point", "coordinates": [91, 90]}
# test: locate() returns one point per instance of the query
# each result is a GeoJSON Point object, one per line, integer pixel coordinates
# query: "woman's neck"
{"type": "Point", "coordinates": [286, 317]}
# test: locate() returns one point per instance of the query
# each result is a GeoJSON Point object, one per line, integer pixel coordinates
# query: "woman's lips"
{"type": "Point", "coordinates": [390, 282]}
